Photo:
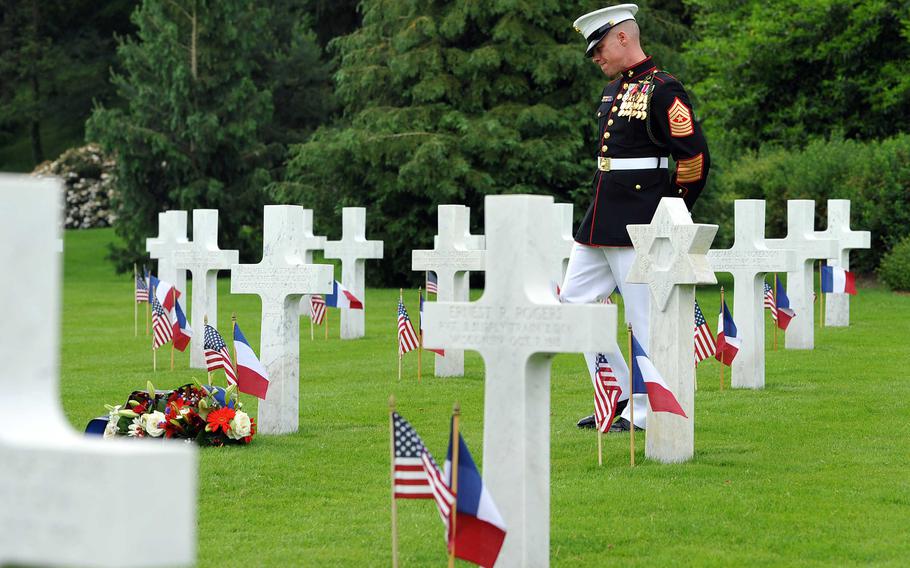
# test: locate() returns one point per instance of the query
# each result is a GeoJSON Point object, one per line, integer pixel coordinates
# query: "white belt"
{"type": "Point", "coordinates": [605, 164]}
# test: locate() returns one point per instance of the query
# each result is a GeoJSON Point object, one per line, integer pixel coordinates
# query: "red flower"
{"type": "Point", "coordinates": [220, 419]}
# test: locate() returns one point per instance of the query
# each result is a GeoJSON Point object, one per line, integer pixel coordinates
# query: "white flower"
{"type": "Point", "coordinates": [136, 429]}
{"type": "Point", "coordinates": [151, 421]}
{"type": "Point", "coordinates": [240, 426]}
{"type": "Point", "coordinates": [111, 430]}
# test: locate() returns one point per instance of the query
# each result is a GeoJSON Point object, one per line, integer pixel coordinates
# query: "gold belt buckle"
{"type": "Point", "coordinates": [603, 163]}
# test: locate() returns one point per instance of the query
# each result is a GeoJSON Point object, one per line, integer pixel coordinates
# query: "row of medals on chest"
{"type": "Point", "coordinates": [635, 100]}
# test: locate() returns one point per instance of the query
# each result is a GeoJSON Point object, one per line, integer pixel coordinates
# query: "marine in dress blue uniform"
{"type": "Point", "coordinates": [644, 117]}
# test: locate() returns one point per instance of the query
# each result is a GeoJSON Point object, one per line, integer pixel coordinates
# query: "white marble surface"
{"type": "Point", "coordinates": [748, 261]}
{"type": "Point", "coordinates": [280, 280]}
{"type": "Point", "coordinates": [671, 258]}
{"type": "Point", "coordinates": [564, 214]}
{"type": "Point", "coordinates": [171, 238]}
{"type": "Point", "coordinates": [353, 250]}
{"type": "Point", "coordinates": [203, 259]}
{"type": "Point", "coordinates": [517, 326]}
{"type": "Point", "coordinates": [452, 259]}
{"type": "Point", "coordinates": [837, 306]}
{"type": "Point", "coordinates": [309, 244]}
{"type": "Point", "coordinates": [62, 493]}
{"type": "Point", "coordinates": [808, 246]}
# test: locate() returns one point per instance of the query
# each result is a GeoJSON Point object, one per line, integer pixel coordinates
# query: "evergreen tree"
{"type": "Point", "coordinates": [450, 101]}
{"type": "Point", "coordinates": [213, 98]}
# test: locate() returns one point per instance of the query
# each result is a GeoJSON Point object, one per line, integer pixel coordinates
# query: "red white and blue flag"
{"type": "Point", "coordinates": [166, 292]}
{"type": "Point", "coordinates": [410, 480]}
{"type": "Point", "coordinates": [432, 283]}
{"type": "Point", "coordinates": [342, 298]}
{"type": "Point", "coordinates": [440, 352]}
{"type": "Point", "coordinates": [784, 313]}
{"type": "Point", "coordinates": [216, 353]}
{"type": "Point", "coordinates": [836, 280]}
{"type": "Point", "coordinates": [728, 342]}
{"type": "Point", "coordinates": [161, 325]}
{"type": "Point", "coordinates": [705, 345]}
{"type": "Point", "coordinates": [317, 309]}
{"type": "Point", "coordinates": [770, 302]}
{"type": "Point", "coordinates": [182, 330]}
{"type": "Point", "coordinates": [479, 527]}
{"type": "Point", "coordinates": [407, 338]}
{"type": "Point", "coordinates": [646, 379]}
{"type": "Point", "coordinates": [606, 393]}
{"type": "Point", "coordinates": [142, 289]}
{"type": "Point", "coordinates": [252, 378]}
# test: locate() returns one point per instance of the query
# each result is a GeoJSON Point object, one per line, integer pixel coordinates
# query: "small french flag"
{"type": "Point", "coordinates": [166, 292]}
{"type": "Point", "coordinates": [784, 312]}
{"type": "Point", "coordinates": [646, 379]}
{"type": "Point", "coordinates": [341, 297]}
{"type": "Point", "coordinates": [727, 340]}
{"type": "Point", "coordinates": [182, 330]}
{"type": "Point", "coordinates": [252, 377]}
{"type": "Point", "coordinates": [836, 280]}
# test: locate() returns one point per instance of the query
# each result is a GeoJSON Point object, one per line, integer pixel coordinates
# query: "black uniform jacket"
{"type": "Point", "coordinates": [663, 125]}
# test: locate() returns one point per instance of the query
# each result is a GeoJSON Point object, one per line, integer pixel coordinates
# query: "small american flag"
{"type": "Point", "coordinates": [442, 494]}
{"type": "Point", "coordinates": [705, 346]}
{"type": "Point", "coordinates": [216, 354]}
{"type": "Point", "coordinates": [410, 479]}
{"type": "Point", "coordinates": [606, 393]}
{"type": "Point", "coordinates": [770, 303]}
{"type": "Point", "coordinates": [432, 283]}
{"type": "Point", "coordinates": [142, 290]}
{"type": "Point", "coordinates": [407, 338]}
{"type": "Point", "coordinates": [317, 309]}
{"type": "Point", "coordinates": [161, 325]}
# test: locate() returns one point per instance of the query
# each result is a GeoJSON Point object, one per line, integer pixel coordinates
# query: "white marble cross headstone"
{"type": "Point", "coordinates": [171, 238]}
{"type": "Point", "coordinates": [748, 261]}
{"type": "Point", "coordinates": [279, 280]}
{"type": "Point", "coordinates": [807, 246]}
{"type": "Point", "coordinates": [452, 259]}
{"type": "Point", "coordinates": [517, 326]}
{"type": "Point", "coordinates": [203, 259]}
{"type": "Point", "coordinates": [60, 491]}
{"type": "Point", "coordinates": [837, 306]}
{"type": "Point", "coordinates": [670, 257]}
{"type": "Point", "coordinates": [353, 249]}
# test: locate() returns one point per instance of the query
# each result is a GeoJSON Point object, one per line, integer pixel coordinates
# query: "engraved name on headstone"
{"type": "Point", "coordinates": [353, 250]}
{"type": "Point", "coordinates": [517, 326]}
{"type": "Point", "coordinates": [60, 492]}
{"type": "Point", "coordinates": [280, 280]}
{"type": "Point", "coordinates": [749, 260]}
{"type": "Point", "coordinates": [452, 259]}
{"type": "Point", "coordinates": [203, 259]}
{"type": "Point", "coordinates": [670, 257]}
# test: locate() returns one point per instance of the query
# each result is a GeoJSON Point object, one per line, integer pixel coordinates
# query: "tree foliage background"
{"type": "Point", "coordinates": [403, 105]}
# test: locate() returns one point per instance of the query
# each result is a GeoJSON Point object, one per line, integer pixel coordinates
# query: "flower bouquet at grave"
{"type": "Point", "coordinates": [206, 414]}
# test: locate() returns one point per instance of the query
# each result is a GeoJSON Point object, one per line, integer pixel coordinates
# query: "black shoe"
{"type": "Point", "coordinates": [622, 425]}
{"type": "Point", "coordinates": [586, 422]}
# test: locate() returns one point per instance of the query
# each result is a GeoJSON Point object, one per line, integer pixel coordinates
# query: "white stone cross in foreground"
{"type": "Point", "coordinates": [452, 259]}
{"type": "Point", "coordinates": [62, 495]}
{"type": "Point", "coordinates": [279, 280]}
{"type": "Point", "coordinates": [807, 246]}
{"type": "Point", "coordinates": [353, 249]}
{"type": "Point", "coordinates": [748, 261]}
{"type": "Point", "coordinates": [203, 259]}
{"type": "Point", "coordinates": [670, 257]}
{"type": "Point", "coordinates": [171, 238]}
{"type": "Point", "coordinates": [837, 306]}
{"type": "Point", "coordinates": [564, 213]}
{"type": "Point", "coordinates": [517, 326]}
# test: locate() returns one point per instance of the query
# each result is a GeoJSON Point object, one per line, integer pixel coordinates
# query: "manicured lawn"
{"type": "Point", "coordinates": [813, 470]}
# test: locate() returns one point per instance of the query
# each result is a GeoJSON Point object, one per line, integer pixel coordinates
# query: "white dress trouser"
{"type": "Point", "coordinates": [593, 274]}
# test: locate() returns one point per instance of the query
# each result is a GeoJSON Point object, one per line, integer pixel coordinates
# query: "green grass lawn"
{"type": "Point", "coordinates": [812, 470]}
